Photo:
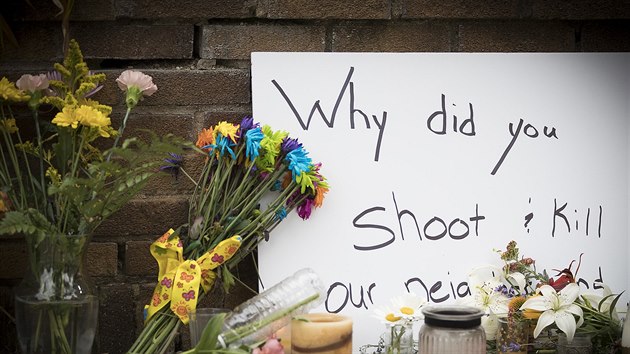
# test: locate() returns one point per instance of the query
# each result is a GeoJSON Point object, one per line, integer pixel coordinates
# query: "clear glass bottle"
{"type": "Point", "coordinates": [269, 311]}
{"type": "Point", "coordinates": [452, 329]}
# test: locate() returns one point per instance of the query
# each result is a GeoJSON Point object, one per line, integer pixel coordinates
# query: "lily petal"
{"type": "Point", "coordinates": [566, 323]}
{"type": "Point", "coordinates": [547, 318]}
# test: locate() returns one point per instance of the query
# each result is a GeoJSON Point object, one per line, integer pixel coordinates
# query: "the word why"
{"type": "Point", "coordinates": [348, 86]}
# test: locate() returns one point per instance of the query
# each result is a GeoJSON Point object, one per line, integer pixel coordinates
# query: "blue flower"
{"type": "Point", "coordinates": [223, 144]}
{"type": "Point", "coordinates": [281, 214]}
{"type": "Point", "coordinates": [253, 137]}
{"type": "Point", "coordinates": [298, 162]}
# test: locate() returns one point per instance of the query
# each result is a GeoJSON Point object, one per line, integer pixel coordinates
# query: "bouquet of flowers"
{"type": "Point", "coordinates": [252, 177]}
{"type": "Point", "coordinates": [57, 186]}
{"type": "Point", "coordinates": [520, 297]}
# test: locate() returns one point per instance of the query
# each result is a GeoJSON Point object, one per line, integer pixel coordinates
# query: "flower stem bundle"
{"type": "Point", "coordinates": [252, 177]}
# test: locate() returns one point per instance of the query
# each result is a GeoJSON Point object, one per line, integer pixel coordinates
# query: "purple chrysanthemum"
{"type": "Point", "coordinates": [304, 209]}
{"type": "Point", "coordinates": [174, 164]}
{"type": "Point", "coordinates": [289, 144]}
{"type": "Point", "coordinates": [247, 124]}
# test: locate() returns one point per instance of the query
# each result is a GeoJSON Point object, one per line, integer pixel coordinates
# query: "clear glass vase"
{"type": "Point", "coordinates": [55, 309]}
{"type": "Point", "coordinates": [513, 335]}
{"type": "Point", "coordinates": [398, 339]}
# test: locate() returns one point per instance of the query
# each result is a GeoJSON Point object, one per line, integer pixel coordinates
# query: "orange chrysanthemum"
{"type": "Point", "coordinates": [205, 137]}
{"type": "Point", "coordinates": [320, 191]}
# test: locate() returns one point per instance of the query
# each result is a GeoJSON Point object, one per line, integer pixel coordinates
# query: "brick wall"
{"type": "Point", "coordinates": [198, 54]}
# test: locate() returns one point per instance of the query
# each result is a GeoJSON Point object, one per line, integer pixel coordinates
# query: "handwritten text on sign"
{"type": "Point", "coordinates": [434, 160]}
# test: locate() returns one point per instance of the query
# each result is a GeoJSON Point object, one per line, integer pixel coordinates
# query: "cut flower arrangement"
{"type": "Point", "coordinates": [516, 293]}
{"type": "Point", "coordinates": [57, 187]}
{"type": "Point", "coordinates": [252, 177]}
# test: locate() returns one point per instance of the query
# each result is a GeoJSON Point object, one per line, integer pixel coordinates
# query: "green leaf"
{"type": "Point", "coordinates": [209, 336]}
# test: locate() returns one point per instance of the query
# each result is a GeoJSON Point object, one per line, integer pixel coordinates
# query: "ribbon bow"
{"type": "Point", "coordinates": [179, 280]}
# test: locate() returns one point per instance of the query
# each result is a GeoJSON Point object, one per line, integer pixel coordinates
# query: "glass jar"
{"type": "Point", "coordinates": [451, 329]}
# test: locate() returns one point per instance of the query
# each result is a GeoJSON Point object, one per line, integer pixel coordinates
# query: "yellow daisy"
{"type": "Point", "coordinates": [67, 118]}
{"type": "Point", "coordinates": [9, 92]}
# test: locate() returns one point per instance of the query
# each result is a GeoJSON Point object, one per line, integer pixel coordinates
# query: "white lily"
{"type": "Point", "coordinates": [599, 302]}
{"type": "Point", "coordinates": [558, 308]}
{"type": "Point", "coordinates": [482, 282]}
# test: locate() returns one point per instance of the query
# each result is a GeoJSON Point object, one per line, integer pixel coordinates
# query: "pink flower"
{"type": "Point", "coordinates": [272, 346]}
{"type": "Point", "coordinates": [137, 85]}
{"type": "Point", "coordinates": [130, 78]}
{"type": "Point", "coordinates": [32, 83]}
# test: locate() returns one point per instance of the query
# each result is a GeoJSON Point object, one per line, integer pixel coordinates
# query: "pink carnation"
{"type": "Point", "coordinates": [130, 78]}
{"type": "Point", "coordinates": [272, 346]}
{"type": "Point", "coordinates": [32, 83]}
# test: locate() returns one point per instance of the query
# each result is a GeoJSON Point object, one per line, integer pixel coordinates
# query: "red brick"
{"type": "Point", "coordinates": [186, 87]}
{"type": "Point", "coordinates": [47, 47]}
{"type": "Point", "coordinates": [609, 36]}
{"type": "Point", "coordinates": [12, 259]}
{"type": "Point", "coordinates": [184, 9]}
{"type": "Point", "coordinates": [116, 325]}
{"type": "Point", "coordinates": [150, 216]}
{"type": "Point", "coordinates": [526, 36]}
{"type": "Point", "coordinates": [325, 9]}
{"type": "Point", "coordinates": [102, 259]}
{"type": "Point", "coordinates": [238, 41]}
{"type": "Point", "coordinates": [457, 9]}
{"type": "Point", "coordinates": [45, 10]}
{"type": "Point", "coordinates": [581, 9]}
{"type": "Point", "coordinates": [138, 259]}
{"type": "Point", "coordinates": [394, 37]}
{"type": "Point", "coordinates": [114, 40]}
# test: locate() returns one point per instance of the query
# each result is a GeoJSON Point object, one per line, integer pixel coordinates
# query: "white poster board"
{"type": "Point", "coordinates": [436, 159]}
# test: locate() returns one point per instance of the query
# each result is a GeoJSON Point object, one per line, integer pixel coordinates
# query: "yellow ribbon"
{"type": "Point", "coordinates": [179, 280]}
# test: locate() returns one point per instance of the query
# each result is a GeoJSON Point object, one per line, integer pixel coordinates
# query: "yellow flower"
{"type": "Point", "coordinates": [8, 125]}
{"type": "Point", "coordinates": [93, 118]}
{"type": "Point", "coordinates": [226, 129]}
{"type": "Point", "coordinates": [9, 92]}
{"type": "Point", "coordinates": [67, 118]}
{"type": "Point", "coordinates": [54, 176]}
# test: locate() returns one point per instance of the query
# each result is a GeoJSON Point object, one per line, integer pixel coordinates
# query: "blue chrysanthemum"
{"type": "Point", "coordinates": [281, 214]}
{"type": "Point", "coordinates": [277, 185]}
{"type": "Point", "coordinates": [223, 144]}
{"type": "Point", "coordinates": [253, 137]}
{"type": "Point", "coordinates": [298, 162]}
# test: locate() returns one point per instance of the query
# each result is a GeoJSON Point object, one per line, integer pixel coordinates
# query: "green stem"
{"type": "Point", "coordinates": [120, 133]}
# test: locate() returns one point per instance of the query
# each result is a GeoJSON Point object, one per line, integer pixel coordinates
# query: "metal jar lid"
{"type": "Point", "coordinates": [452, 316]}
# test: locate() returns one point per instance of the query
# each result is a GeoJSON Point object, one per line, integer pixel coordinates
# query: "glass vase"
{"type": "Point", "coordinates": [398, 339]}
{"type": "Point", "coordinates": [513, 335]}
{"type": "Point", "coordinates": [581, 344]}
{"type": "Point", "coordinates": [55, 310]}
